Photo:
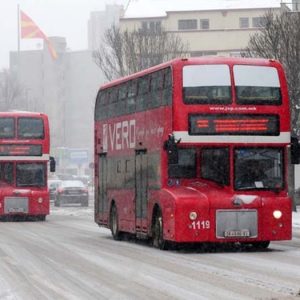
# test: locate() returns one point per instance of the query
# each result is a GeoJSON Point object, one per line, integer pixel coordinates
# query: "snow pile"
{"type": "Point", "coordinates": [296, 218]}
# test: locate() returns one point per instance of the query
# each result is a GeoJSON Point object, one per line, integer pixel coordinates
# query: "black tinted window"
{"type": "Point", "coordinates": [7, 128]}
{"type": "Point", "coordinates": [215, 165]}
{"type": "Point", "coordinates": [30, 128]}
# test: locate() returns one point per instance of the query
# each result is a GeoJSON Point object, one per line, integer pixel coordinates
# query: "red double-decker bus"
{"type": "Point", "coordinates": [24, 156]}
{"type": "Point", "coordinates": [195, 150]}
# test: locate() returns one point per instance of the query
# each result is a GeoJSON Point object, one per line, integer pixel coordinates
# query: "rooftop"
{"type": "Point", "coordinates": [159, 8]}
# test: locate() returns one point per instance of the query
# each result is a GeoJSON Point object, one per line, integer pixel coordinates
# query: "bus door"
{"type": "Point", "coordinates": [102, 192]}
{"type": "Point", "coordinates": [141, 183]}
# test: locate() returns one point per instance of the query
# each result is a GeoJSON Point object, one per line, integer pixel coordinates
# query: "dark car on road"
{"type": "Point", "coordinates": [71, 192]}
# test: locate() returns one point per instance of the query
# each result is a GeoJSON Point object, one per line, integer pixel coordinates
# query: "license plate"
{"type": "Point", "coordinates": [15, 210]}
{"type": "Point", "coordinates": [237, 233]}
{"type": "Point", "coordinates": [72, 192]}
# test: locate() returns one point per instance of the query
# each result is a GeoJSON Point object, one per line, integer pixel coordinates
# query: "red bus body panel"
{"type": "Point", "coordinates": [178, 199]}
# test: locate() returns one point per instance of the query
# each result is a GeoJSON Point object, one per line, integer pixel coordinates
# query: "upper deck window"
{"type": "Point", "coordinates": [30, 128]}
{"type": "Point", "coordinates": [7, 128]}
{"type": "Point", "coordinates": [206, 84]}
{"type": "Point", "coordinates": [257, 85]}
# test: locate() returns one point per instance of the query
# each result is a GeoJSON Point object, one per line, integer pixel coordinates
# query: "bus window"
{"type": "Point", "coordinates": [215, 165]}
{"type": "Point", "coordinates": [131, 96]}
{"type": "Point", "coordinates": [205, 84]}
{"type": "Point", "coordinates": [99, 105]}
{"type": "Point", "coordinates": [7, 128]}
{"type": "Point", "coordinates": [114, 104]}
{"type": "Point", "coordinates": [30, 128]}
{"type": "Point", "coordinates": [122, 96]}
{"type": "Point", "coordinates": [6, 173]}
{"type": "Point", "coordinates": [257, 85]}
{"type": "Point", "coordinates": [143, 93]}
{"type": "Point", "coordinates": [156, 88]}
{"type": "Point", "coordinates": [30, 174]}
{"type": "Point", "coordinates": [258, 168]}
{"type": "Point", "coordinates": [186, 166]}
{"type": "Point", "coordinates": [167, 87]}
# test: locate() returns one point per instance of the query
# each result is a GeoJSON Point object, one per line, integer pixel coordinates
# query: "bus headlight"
{"type": "Point", "coordinates": [40, 200]}
{"type": "Point", "coordinates": [277, 214]}
{"type": "Point", "coordinates": [193, 215]}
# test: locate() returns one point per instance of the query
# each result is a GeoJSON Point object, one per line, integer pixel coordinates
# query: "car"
{"type": "Point", "coordinates": [71, 192]}
{"type": "Point", "coordinates": [84, 178]}
{"type": "Point", "coordinates": [52, 186]}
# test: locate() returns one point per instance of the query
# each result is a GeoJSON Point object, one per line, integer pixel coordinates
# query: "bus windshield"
{"type": "Point", "coordinates": [257, 85]}
{"type": "Point", "coordinates": [186, 165]}
{"type": "Point", "coordinates": [31, 174]}
{"type": "Point", "coordinates": [215, 165]}
{"type": "Point", "coordinates": [206, 84]}
{"type": "Point", "coordinates": [258, 168]}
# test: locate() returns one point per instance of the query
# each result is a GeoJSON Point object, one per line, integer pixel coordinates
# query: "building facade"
{"type": "Point", "coordinates": [209, 27]}
{"type": "Point", "coordinates": [100, 21]}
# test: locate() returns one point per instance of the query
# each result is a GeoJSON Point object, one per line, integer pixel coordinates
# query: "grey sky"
{"type": "Point", "coordinates": [67, 18]}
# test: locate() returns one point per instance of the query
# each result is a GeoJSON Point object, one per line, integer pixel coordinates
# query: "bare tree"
{"type": "Point", "coordinates": [125, 52]}
{"type": "Point", "coordinates": [279, 38]}
{"type": "Point", "coordinates": [10, 90]}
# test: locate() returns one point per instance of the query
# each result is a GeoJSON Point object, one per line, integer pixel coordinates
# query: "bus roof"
{"type": "Point", "coordinates": [13, 113]}
{"type": "Point", "coordinates": [194, 60]}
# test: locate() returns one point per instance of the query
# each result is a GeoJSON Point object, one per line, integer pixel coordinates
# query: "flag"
{"type": "Point", "coordinates": [29, 30]}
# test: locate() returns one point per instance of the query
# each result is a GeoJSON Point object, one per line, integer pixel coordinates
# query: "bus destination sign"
{"type": "Point", "coordinates": [20, 150]}
{"type": "Point", "coordinates": [237, 124]}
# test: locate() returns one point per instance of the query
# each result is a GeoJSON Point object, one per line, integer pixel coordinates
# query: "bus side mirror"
{"type": "Point", "coordinates": [52, 164]}
{"type": "Point", "coordinates": [295, 151]}
{"type": "Point", "coordinates": [170, 146]}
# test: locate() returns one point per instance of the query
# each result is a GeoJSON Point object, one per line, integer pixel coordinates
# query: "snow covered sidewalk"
{"type": "Point", "coordinates": [296, 218]}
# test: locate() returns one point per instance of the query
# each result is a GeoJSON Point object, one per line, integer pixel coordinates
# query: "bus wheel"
{"type": "Point", "coordinates": [114, 224]}
{"type": "Point", "coordinates": [157, 232]}
{"type": "Point", "coordinates": [41, 218]}
{"type": "Point", "coordinates": [261, 245]}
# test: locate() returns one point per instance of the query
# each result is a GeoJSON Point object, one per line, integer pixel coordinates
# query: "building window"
{"type": "Point", "coordinates": [204, 24]}
{"type": "Point", "coordinates": [258, 22]}
{"type": "Point", "coordinates": [151, 26]}
{"type": "Point", "coordinates": [244, 22]}
{"type": "Point", "coordinates": [203, 53]}
{"type": "Point", "coordinates": [187, 24]}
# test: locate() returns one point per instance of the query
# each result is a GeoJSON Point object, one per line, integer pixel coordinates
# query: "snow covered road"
{"type": "Point", "coordinates": [70, 257]}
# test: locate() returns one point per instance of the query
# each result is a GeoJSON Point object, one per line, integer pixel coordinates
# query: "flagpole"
{"type": "Point", "coordinates": [18, 22]}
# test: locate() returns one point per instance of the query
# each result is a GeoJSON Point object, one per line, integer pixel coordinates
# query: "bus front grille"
{"type": "Point", "coordinates": [15, 205]}
{"type": "Point", "coordinates": [236, 224]}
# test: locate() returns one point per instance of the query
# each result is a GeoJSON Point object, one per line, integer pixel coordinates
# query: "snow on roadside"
{"type": "Point", "coordinates": [296, 218]}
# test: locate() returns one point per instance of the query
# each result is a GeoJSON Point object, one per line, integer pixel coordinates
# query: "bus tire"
{"type": "Point", "coordinates": [261, 245]}
{"type": "Point", "coordinates": [114, 223]}
{"type": "Point", "coordinates": [157, 232]}
{"type": "Point", "coordinates": [41, 218]}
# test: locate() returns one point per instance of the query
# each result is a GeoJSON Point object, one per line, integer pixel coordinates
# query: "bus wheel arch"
{"type": "Point", "coordinates": [114, 221]}
{"type": "Point", "coordinates": [158, 240]}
